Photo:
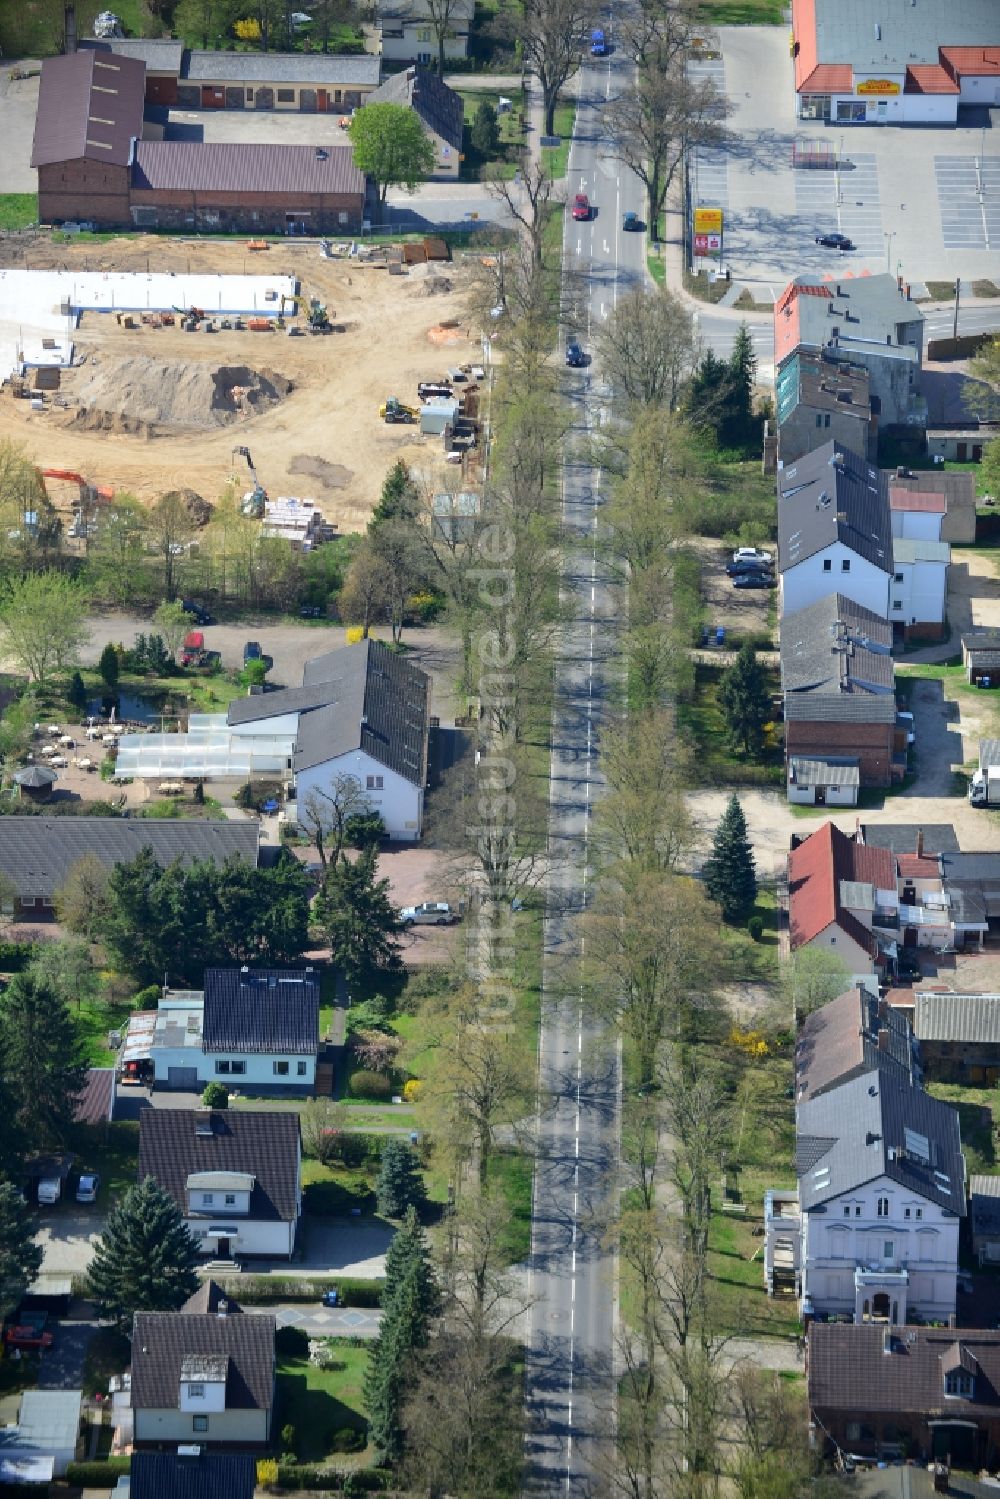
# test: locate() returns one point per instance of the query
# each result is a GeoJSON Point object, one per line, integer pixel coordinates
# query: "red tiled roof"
{"type": "Point", "coordinates": [827, 78]}
{"type": "Point", "coordinates": [786, 315]}
{"type": "Point", "coordinates": [815, 870]}
{"type": "Point", "coordinates": [918, 866]}
{"type": "Point", "coordinates": [912, 499]}
{"type": "Point", "coordinates": [929, 78]}
{"type": "Point", "coordinates": [804, 32]}
{"type": "Point", "coordinates": [972, 61]}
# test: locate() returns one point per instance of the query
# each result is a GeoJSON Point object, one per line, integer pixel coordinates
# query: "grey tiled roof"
{"type": "Point", "coordinates": [850, 707]}
{"type": "Point", "coordinates": [958, 1017]}
{"type": "Point", "coordinates": [833, 495]}
{"type": "Point", "coordinates": [439, 106]}
{"type": "Point", "coordinates": [901, 837]}
{"type": "Point", "coordinates": [162, 1341]}
{"type": "Point", "coordinates": [866, 309]}
{"type": "Point", "coordinates": [829, 772]}
{"type": "Point", "coordinates": [866, 1119]}
{"type": "Point", "coordinates": [836, 645]}
{"type": "Point", "coordinates": [261, 1010]}
{"type": "Point", "coordinates": [850, 1369]}
{"type": "Point", "coordinates": [840, 1041]}
{"type": "Point", "coordinates": [37, 853]}
{"type": "Point", "coordinates": [210, 1475]}
{"type": "Point", "coordinates": [208, 1299]}
{"type": "Point", "coordinates": [160, 55]}
{"type": "Point", "coordinates": [353, 71]}
{"type": "Point", "coordinates": [266, 1145]}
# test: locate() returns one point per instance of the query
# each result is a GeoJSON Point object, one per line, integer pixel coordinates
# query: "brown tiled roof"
{"type": "Point", "coordinates": [815, 870]}
{"type": "Point", "coordinates": [93, 1102]}
{"type": "Point", "coordinates": [974, 61]}
{"type": "Point", "coordinates": [90, 105]}
{"type": "Point", "coordinates": [208, 1298]}
{"type": "Point", "coordinates": [929, 78]}
{"type": "Point", "coordinates": [161, 1341]}
{"type": "Point", "coordinates": [829, 78]}
{"type": "Point", "coordinates": [918, 866]}
{"type": "Point", "coordinates": [840, 1041]}
{"type": "Point", "coordinates": [263, 1144]}
{"type": "Point", "coordinates": [901, 498]}
{"type": "Point", "coordinates": [849, 1369]}
{"type": "Point", "coordinates": [245, 167]}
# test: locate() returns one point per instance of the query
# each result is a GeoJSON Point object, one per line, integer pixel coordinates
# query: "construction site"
{"type": "Point", "coordinates": [329, 361]}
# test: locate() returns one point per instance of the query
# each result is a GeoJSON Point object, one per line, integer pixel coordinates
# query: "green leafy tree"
{"type": "Point", "coordinates": [814, 977]}
{"type": "Point", "coordinates": [744, 701]}
{"type": "Point", "coordinates": [356, 916]}
{"type": "Point", "coordinates": [68, 968]}
{"type": "Point", "coordinates": [42, 1057]}
{"type": "Point", "coordinates": [399, 1184]}
{"type": "Point", "coordinates": [173, 622]}
{"type": "Point", "coordinates": [20, 1256]}
{"type": "Point", "coordinates": [390, 146]}
{"type": "Point", "coordinates": [409, 1301]}
{"type": "Point", "coordinates": [485, 132]}
{"type": "Point", "coordinates": [215, 1096]}
{"type": "Point", "coordinates": [42, 623]}
{"type": "Point", "coordinates": [108, 666]}
{"type": "Point", "coordinates": [81, 901]}
{"type": "Point", "coordinates": [145, 1260]}
{"type": "Point", "coordinates": [76, 693]}
{"type": "Point", "coordinates": [730, 875]}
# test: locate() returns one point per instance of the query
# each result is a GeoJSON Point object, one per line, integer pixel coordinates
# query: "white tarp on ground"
{"type": "Point", "coordinates": [47, 304]}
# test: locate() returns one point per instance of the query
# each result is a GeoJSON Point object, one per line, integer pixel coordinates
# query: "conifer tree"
{"type": "Point", "coordinates": [409, 1301]}
{"type": "Point", "coordinates": [20, 1256]}
{"type": "Point", "coordinates": [399, 1185]}
{"type": "Point", "coordinates": [730, 875]}
{"type": "Point", "coordinates": [743, 700]}
{"type": "Point", "coordinates": [42, 1059]}
{"type": "Point", "coordinates": [145, 1260]}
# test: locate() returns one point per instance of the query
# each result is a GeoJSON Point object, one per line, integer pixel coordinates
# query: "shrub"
{"type": "Point", "coordinates": [261, 1290]}
{"type": "Point", "coordinates": [288, 1432]}
{"type": "Point", "coordinates": [291, 1342]}
{"type": "Point", "coordinates": [349, 1439]}
{"type": "Point", "coordinates": [365, 829]}
{"type": "Point", "coordinates": [370, 1085]}
{"type": "Point", "coordinates": [97, 1475]}
{"type": "Point", "coordinates": [357, 1481]}
{"type": "Point", "coordinates": [355, 633]}
{"type": "Point", "coordinates": [267, 1472]}
{"type": "Point", "coordinates": [412, 1089]}
{"type": "Point", "coordinates": [215, 1096]}
{"type": "Point", "coordinates": [146, 999]}
{"type": "Point", "coordinates": [15, 956]}
{"type": "Point", "coordinates": [755, 926]}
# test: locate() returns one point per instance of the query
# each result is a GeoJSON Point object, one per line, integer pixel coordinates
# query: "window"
{"type": "Point", "coordinates": [826, 419]}
{"type": "Point", "coordinates": [845, 566]}
{"type": "Point", "coordinates": [239, 1068]}
{"type": "Point", "coordinates": [847, 1212]}
{"type": "Point", "coordinates": [819, 419]}
{"type": "Point", "coordinates": [897, 603]}
{"type": "Point", "coordinates": [897, 577]}
{"type": "Point", "coordinates": [827, 565]}
{"type": "Point", "coordinates": [373, 783]}
{"type": "Point", "coordinates": [222, 1067]}
{"type": "Point", "coordinates": [281, 1069]}
{"type": "Point", "coordinates": [343, 217]}
{"type": "Point", "coordinates": [249, 95]}
{"type": "Point", "coordinates": [207, 1198]}
{"type": "Point", "coordinates": [906, 1212]}
{"type": "Point", "coordinates": [919, 1213]}
{"type": "Point", "coordinates": [883, 1207]}
{"type": "Point", "coordinates": [199, 1423]}
{"type": "Point", "coordinates": [300, 1069]}
{"type": "Point", "coordinates": [286, 96]}
{"type": "Point", "coordinates": [857, 1210]}
{"type": "Point", "coordinates": [958, 1382]}
{"type": "Point", "coordinates": [888, 1249]}
{"type": "Point", "coordinates": [230, 1199]}
{"type": "Point", "coordinates": [196, 1391]}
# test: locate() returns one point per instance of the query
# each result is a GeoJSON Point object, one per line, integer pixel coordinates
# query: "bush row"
{"type": "Point", "coordinates": [259, 1290]}
{"type": "Point", "coordinates": [355, 1481]}
{"type": "Point", "coordinates": [97, 1475]}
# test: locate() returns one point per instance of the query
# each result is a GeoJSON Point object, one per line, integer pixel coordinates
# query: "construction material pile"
{"type": "Point", "coordinates": [148, 396]}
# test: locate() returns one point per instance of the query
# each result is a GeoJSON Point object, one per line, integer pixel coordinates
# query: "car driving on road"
{"type": "Point", "coordinates": [835, 241]}
{"type": "Point", "coordinates": [581, 206]}
{"type": "Point", "coordinates": [631, 222]}
{"type": "Point", "coordinates": [575, 357]}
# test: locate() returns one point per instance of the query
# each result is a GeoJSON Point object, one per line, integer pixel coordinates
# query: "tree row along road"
{"type": "Point", "coordinates": [570, 1378]}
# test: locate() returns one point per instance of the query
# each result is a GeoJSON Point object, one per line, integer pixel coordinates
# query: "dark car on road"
{"type": "Point", "coordinates": [835, 241]}
{"type": "Point", "coordinates": [631, 222]}
{"type": "Point", "coordinates": [753, 580]}
{"type": "Point", "coordinates": [575, 357]}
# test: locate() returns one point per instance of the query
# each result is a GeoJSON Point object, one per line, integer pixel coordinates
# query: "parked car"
{"type": "Point", "coordinates": [49, 1191]}
{"type": "Point", "coordinates": [720, 635]}
{"type": "Point", "coordinates": [631, 222]}
{"type": "Point", "coordinates": [598, 46]}
{"type": "Point", "coordinates": [745, 565]}
{"type": "Point", "coordinates": [311, 611]}
{"type": "Point", "coordinates": [252, 651]}
{"type": "Point", "coordinates": [29, 1331]}
{"type": "Point", "coordinates": [429, 913]}
{"type": "Point", "coordinates": [835, 242]}
{"type": "Point", "coordinates": [88, 1187]}
{"type": "Point", "coordinates": [581, 206]}
{"type": "Point", "coordinates": [575, 357]}
{"type": "Point", "coordinates": [752, 554]}
{"type": "Point", "coordinates": [330, 1298]}
{"type": "Point", "coordinates": [753, 580]}
{"type": "Point", "coordinates": [201, 614]}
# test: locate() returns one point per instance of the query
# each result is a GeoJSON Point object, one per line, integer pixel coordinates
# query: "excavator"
{"type": "Point", "coordinates": [393, 411]}
{"type": "Point", "coordinates": [254, 500]}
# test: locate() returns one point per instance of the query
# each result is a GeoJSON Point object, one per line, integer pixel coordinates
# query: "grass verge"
{"type": "Point", "coordinates": [17, 210]}
{"type": "Point", "coordinates": [556, 158]}
{"type": "Point", "coordinates": [742, 12]}
{"type": "Point", "coordinates": [511, 1171]}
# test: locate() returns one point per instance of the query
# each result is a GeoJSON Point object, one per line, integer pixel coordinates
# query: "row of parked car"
{"type": "Point", "coordinates": [751, 568]}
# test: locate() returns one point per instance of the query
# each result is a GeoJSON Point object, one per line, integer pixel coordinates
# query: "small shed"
{"type": "Point", "coordinates": [981, 656]}
{"type": "Point", "coordinates": [437, 415]}
{"type": "Point", "coordinates": [46, 1436]}
{"type": "Point", "coordinates": [959, 1037]}
{"type": "Point", "coordinates": [35, 782]}
{"type": "Point", "coordinates": [984, 1212]}
{"type": "Point", "coordinates": [825, 782]}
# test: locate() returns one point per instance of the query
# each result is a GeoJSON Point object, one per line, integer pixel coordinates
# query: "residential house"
{"type": "Point", "coordinates": [835, 886]}
{"type": "Point", "coordinates": [191, 1474]}
{"type": "Point", "coordinates": [981, 659]}
{"type": "Point", "coordinates": [984, 1216]}
{"type": "Point", "coordinates": [958, 491]}
{"type": "Point", "coordinates": [918, 596]}
{"type": "Point", "coordinates": [864, 322]}
{"type": "Point", "coordinates": [854, 1034]}
{"type": "Point", "coordinates": [362, 711]}
{"type": "Point", "coordinates": [254, 1029]}
{"type": "Point", "coordinates": [439, 109]}
{"type": "Point", "coordinates": [44, 1440]}
{"type": "Point", "coordinates": [38, 853]}
{"type": "Point", "coordinates": [834, 531]}
{"type": "Point", "coordinates": [406, 34]}
{"type": "Point", "coordinates": [204, 1375]}
{"type": "Point", "coordinates": [818, 399]}
{"type": "Point", "coordinates": [959, 1036]}
{"type": "Point", "coordinates": [881, 1180]}
{"type": "Point", "coordinates": [921, 1392]}
{"type": "Point", "coordinates": [838, 681]}
{"type": "Point", "coordinates": [235, 1175]}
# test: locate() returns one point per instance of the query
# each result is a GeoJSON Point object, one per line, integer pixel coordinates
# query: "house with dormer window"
{"type": "Point", "coordinates": [235, 1176]}
{"type": "Point", "coordinates": [921, 1392]}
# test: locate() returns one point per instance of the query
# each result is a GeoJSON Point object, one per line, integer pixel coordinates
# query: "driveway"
{"type": "Point", "coordinates": [68, 1236]}
{"type": "Point", "coordinates": [62, 1367]}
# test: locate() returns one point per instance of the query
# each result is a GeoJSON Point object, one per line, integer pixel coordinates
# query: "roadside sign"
{"type": "Point", "coordinates": [707, 231]}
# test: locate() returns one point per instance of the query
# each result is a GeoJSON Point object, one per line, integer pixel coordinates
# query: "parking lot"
{"type": "Point", "coordinates": [913, 199]}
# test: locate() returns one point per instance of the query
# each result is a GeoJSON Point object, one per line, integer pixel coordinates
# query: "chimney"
{"type": "Point", "coordinates": [69, 24]}
{"type": "Point", "coordinates": [883, 1039]}
{"type": "Point", "coordinates": [223, 1307]}
{"type": "Point", "coordinates": [887, 1340]}
{"type": "Point", "coordinates": [920, 843]}
{"type": "Point", "coordinates": [883, 1007]}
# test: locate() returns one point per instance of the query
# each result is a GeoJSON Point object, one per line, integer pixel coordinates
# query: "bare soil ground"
{"type": "Point", "coordinates": [322, 440]}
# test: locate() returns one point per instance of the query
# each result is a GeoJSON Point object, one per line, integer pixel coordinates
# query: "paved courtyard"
{"type": "Point", "coordinates": [920, 200]}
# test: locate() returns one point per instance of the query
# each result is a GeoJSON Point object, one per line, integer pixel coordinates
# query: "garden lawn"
{"type": "Point", "coordinates": [702, 720]}
{"type": "Point", "coordinates": [336, 1190]}
{"type": "Point", "coordinates": [321, 1402]}
{"type": "Point", "coordinates": [94, 1020]}
{"type": "Point", "coordinates": [510, 126]}
{"type": "Point", "coordinates": [976, 1111]}
{"type": "Point", "coordinates": [113, 1152]}
{"type": "Point", "coordinates": [739, 1303]}
{"type": "Point", "coordinates": [18, 210]}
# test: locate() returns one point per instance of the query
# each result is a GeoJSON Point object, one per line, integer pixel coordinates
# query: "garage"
{"type": "Point", "coordinates": [307, 101]}
{"type": "Point", "coordinates": [183, 1078]}
{"type": "Point", "coordinates": [264, 99]}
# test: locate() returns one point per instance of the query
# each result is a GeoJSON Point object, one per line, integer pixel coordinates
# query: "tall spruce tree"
{"type": "Point", "coordinates": [354, 912]}
{"type": "Point", "coordinates": [41, 1053]}
{"type": "Point", "coordinates": [409, 1301]}
{"type": "Point", "coordinates": [20, 1256]}
{"type": "Point", "coordinates": [399, 1185]}
{"type": "Point", "coordinates": [739, 429]}
{"type": "Point", "coordinates": [146, 1258]}
{"type": "Point", "coordinates": [743, 700]}
{"type": "Point", "coordinates": [730, 874]}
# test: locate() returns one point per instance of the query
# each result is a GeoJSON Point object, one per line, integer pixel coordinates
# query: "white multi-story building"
{"type": "Point", "coordinates": [834, 531]}
{"type": "Point", "coordinates": [407, 35]}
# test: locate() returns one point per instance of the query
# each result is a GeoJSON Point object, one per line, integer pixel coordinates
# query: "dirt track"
{"type": "Point", "coordinates": [324, 440]}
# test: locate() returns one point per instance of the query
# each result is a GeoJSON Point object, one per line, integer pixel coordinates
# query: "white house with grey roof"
{"type": "Point", "coordinates": [834, 531]}
{"type": "Point", "coordinates": [881, 1195]}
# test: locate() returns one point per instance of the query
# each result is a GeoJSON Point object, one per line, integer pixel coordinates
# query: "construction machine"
{"type": "Point", "coordinates": [319, 321]}
{"type": "Point", "coordinates": [254, 500]}
{"type": "Point", "coordinates": [393, 411]}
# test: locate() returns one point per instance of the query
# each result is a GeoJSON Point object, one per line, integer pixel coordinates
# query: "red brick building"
{"type": "Point", "coordinates": [89, 113]}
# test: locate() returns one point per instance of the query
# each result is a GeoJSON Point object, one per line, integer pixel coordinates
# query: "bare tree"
{"type": "Point", "coordinates": [81, 901]}
{"type": "Point", "coordinates": [528, 197]}
{"type": "Point", "coordinates": [648, 347]}
{"type": "Point", "coordinates": [364, 598]}
{"type": "Point", "coordinates": [170, 530]}
{"type": "Point", "coordinates": [653, 126]}
{"type": "Point", "coordinates": [552, 34]}
{"type": "Point", "coordinates": [326, 812]}
{"type": "Point", "coordinates": [658, 34]}
{"type": "Point", "coordinates": [643, 816]}
{"type": "Point", "coordinates": [323, 1124]}
{"type": "Point", "coordinates": [440, 15]}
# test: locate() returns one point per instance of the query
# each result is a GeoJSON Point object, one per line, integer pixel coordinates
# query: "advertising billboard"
{"type": "Point", "coordinates": [707, 230]}
{"type": "Point", "coordinates": [883, 86]}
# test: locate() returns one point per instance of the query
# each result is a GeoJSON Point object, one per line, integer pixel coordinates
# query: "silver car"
{"type": "Point", "coordinates": [429, 913]}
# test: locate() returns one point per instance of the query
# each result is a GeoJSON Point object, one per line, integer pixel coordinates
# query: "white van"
{"type": "Point", "coordinates": [49, 1191]}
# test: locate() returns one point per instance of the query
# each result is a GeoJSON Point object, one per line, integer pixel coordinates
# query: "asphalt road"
{"type": "Point", "coordinates": [570, 1362]}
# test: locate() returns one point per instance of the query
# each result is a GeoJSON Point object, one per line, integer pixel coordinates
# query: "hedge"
{"type": "Point", "coordinates": [97, 1475]}
{"type": "Point", "coordinates": [353, 1481]}
{"type": "Point", "coordinates": [259, 1290]}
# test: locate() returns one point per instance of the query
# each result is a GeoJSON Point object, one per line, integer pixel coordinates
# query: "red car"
{"type": "Point", "coordinates": [29, 1335]}
{"type": "Point", "coordinates": [581, 206]}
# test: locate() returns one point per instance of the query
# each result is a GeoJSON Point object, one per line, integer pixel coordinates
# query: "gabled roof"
{"type": "Point", "coordinates": [903, 837]}
{"type": "Point", "coordinates": [90, 104]}
{"type": "Point", "coordinates": [163, 1341]}
{"type": "Point", "coordinates": [159, 54]}
{"type": "Point", "coordinates": [438, 106]}
{"type": "Point", "coordinates": [831, 495]}
{"type": "Point", "coordinates": [851, 1035]}
{"type": "Point", "coordinates": [878, 1125]}
{"type": "Point", "coordinates": [247, 167]}
{"type": "Point", "coordinates": [837, 650]}
{"type": "Point", "coordinates": [929, 78]}
{"type": "Point", "coordinates": [361, 697]}
{"type": "Point", "coordinates": [958, 1017]}
{"type": "Point", "coordinates": [283, 67]}
{"type": "Point", "coordinates": [261, 1010]}
{"type": "Point", "coordinates": [37, 853]}
{"type": "Point", "coordinates": [210, 1475]}
{"type": "Point", "coordinates": [209, 1298]}
{"type": "Point", "coordinates": [816, 871]}
{"type": "Point", "coordinates": [973, 62]}
{"type": "Point", "coordinates": [264, 1145]}
{"type": "Point", "coordinates": [852, 1367]}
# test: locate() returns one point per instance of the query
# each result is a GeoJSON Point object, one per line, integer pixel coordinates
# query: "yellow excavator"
{"type": "Point", "coordinates": [393, 410]}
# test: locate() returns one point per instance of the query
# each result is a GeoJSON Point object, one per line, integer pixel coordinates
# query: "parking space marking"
{"type": "Point", "coordinates": [847, 201]}
{"type": "Point", "coordinates": [968, 201]}
{"type": "Point", "coordinates": [710, 168]}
